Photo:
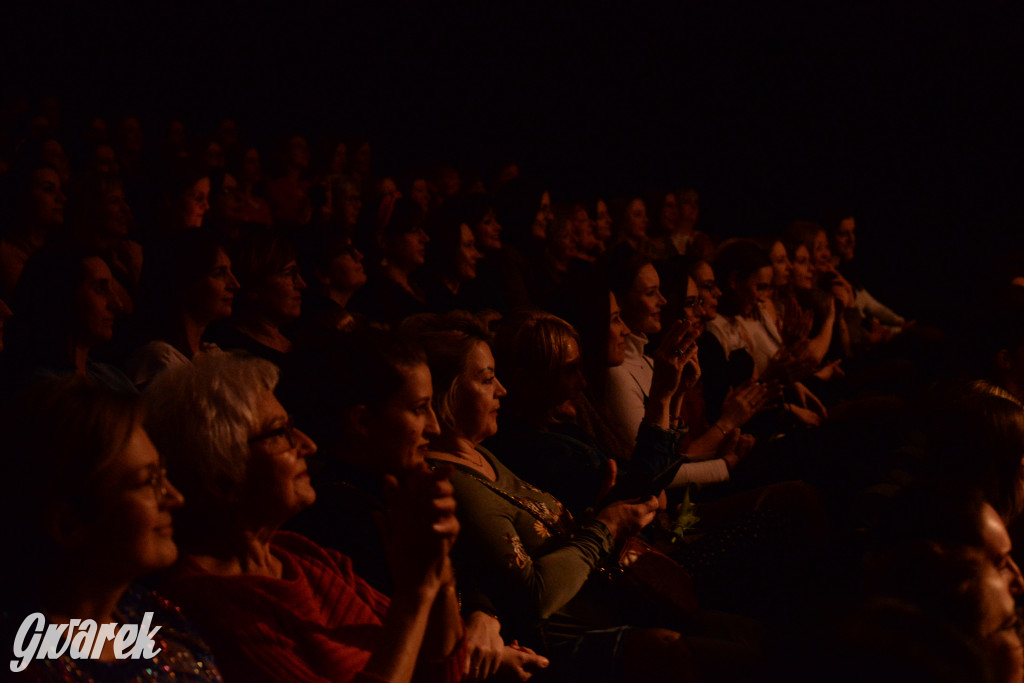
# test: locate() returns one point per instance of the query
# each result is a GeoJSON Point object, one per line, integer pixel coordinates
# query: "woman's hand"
{"type": "Point", "coordinates": [519, 663]}
{"type": "Point", "coordinates": [625, 518]}
{"type": "Point", "coordinates": [485, 648]}
{"type": "Point", "coordinates": [742, 403]}
{"type": "Point", "coordinates": [419, 528]}
{"type": "Point", "coordinates": [830, 371]}
{"type": "Point", "coordinates": [677, 349]}
{"type": "Point", "coordinates": [807, 400]}
{"type": "Point", "coordinates": [735, 447]}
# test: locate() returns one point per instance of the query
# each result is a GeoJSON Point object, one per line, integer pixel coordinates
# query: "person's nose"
{"type": "Point", "coordinates": [233, 284]}
{"type": "Point", "coordinates": [433, 427]}
{"type": "Point", "coordinates": [357, 255]}
{"type": "Point", "coordinates": [172, 497]}
{"type": "Point", "coordinates": [300, 284]}
{"type": "Point", "coordinates": [499, 390]}
{"type": "Point", "coordinates": [305, 446]}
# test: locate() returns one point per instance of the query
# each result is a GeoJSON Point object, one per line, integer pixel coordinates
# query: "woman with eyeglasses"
{"type": "Point", "coordinates": [270, 297]}
{"type": "Point", "coordinates": [275, 605]}
{"type": "Point", "coordinates": [101, 520]}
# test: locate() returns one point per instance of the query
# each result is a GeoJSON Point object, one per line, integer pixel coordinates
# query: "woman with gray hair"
{"type": "Point", "coordinates": [275, 605]}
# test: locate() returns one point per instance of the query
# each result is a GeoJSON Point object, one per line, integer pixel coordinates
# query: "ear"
{"type": "Point", "coordinates": [63, 524]}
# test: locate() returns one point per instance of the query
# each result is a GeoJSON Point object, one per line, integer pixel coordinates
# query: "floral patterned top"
{"type": "Point", "coordinates": [522, 548]}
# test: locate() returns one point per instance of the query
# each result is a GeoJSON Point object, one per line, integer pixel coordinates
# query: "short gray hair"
{"type": "Point", "coordinates": [200, 417]}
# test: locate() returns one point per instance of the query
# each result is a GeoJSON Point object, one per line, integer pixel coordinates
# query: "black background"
{"type": "Point", "coordinates": [908, 115]}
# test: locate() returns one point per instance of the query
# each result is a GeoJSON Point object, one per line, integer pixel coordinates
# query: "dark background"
{"type": "Point", "coordinates": [909, 116]}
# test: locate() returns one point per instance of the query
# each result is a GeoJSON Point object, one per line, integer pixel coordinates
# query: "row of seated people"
{"type": "Point", "coordinates": [775, 401]}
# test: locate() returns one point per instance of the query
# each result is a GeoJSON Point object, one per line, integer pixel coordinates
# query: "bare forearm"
{"type": "Point", "coordinates": [405, 625]}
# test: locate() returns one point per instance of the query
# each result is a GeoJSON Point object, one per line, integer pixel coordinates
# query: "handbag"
{"type": "Point", "coordinates": [656, 576]}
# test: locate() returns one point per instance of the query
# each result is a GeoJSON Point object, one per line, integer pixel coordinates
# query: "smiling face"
{"type": "Point", "coordinates": [641, 310]}
{"type": "Point", "coordinates": [95, 304]}
{"type": "Point", "coordinates": [617, 333]}
{"type": "Point", "coordinates": [757, 288]}
{"type": "Point", "coordinates": [276, 485]}
{"type": "Point", "coordinates": [693, 304]}
{"type": "Point", "coordinates": [408, 250]}
{"type": "Point", "coordinates": [400, 429]}
{"type": "Point", "coordinates": [346, 272]}
{"type": "Point", "coordinates": [803, 273]}
{"type": "Point", "coordinates": [478, 396]}
{"type": "Point", "coordinates": [132, 531]}
{"type": "Point", "coordinates": [602, 222]}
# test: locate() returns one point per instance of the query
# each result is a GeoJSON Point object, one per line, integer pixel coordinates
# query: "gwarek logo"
{"type": "Point", "coordinates": [83, 638]}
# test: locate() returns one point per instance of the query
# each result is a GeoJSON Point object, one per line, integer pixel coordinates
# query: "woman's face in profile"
{"type": "Point", "coordinates": [467, 255]}
{"type": "Point", "coordinates": [132, 530]}
{"type": "Point", "coordinates": [999, 637]}
{"type": "Point", "coordinates": [196, 202]}
{"type": "Point", "coordinates": [488, 233]}
{"type": "Point", "coordinates": [281, 294]}
{"type": "Point", "coordinates": [214, 294]}
{"type": "Point", "coordinates": [478, 396]}
{"type": "Point", "coordinates": [399, 431]}
{"type": "Point", "coordinates": [636, 219]}
{"type": "Point", "coordinates": [642, 307]}
{"type": "Point", "coordinates": [46, 198]}
{"type": "Point", "coordinates": [96, 303]}
{"type": "Point", "coordinates": [822, 256]}
{"type": "Point", "coordinates": [603, 222]}
{"type": "Point", "coordinates": [617, 334]}
{"type": "Point", "coordinates": [781, 265]}
{"type": "Point", "coordinates": [803, 273]}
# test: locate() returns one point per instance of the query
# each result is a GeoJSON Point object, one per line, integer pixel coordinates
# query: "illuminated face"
{"type": "Point", "coordinates": [999, 638]}
{"type": "Point", "coordinates": [846, 239]}
{"type": "Point", "coordinates": [617, 333]}
{"type": "Point", "coordinates": [759, 285]}
{"type": "Point", "coordinates": [642, 308]}
{"type": "Point", "coordinates": [46, 199]}
{"type": "Point", "coordinates": [132, 532]}
{"type": "Point", "coordinates": [583, 230]}
{"type": "Point", "coordinates": [543, 217]}
{"type": "Point", "coordinates": [276, 486]}
{"type": "Point", "coordinates": [803, 273]}
{"type": "Point", "coordinates": [421, 194]}
{"type": "Point", "coordinates": [280, 296]}
{"type": "Point", "coordinates": [96, 303]}
{"type": "Point", "coordinates": [670, 210]}
{"type": "Point", "coordinates": [400, 429]}
{"type": "Point", "coordinates": [467, 255]}
{"type": "Point", "coordinates": [822, 256]}
{"type": "Point", "coordinates": [214, 294]}
{"type": "Point", "coordinates": [636, 219]}
{"type": "Point", "coordinates": [346, 272]}
{"type": "Point", "coordinates": [231, 203]}
{"type": "Point", "coordinates": [409, 250]}
{"type": "Point", "coordinates": [998, 548]}
{"type": "Point", "coordinates": [488, 233]}
{"type": "Point", "coordinates": [693, 304]}
{"type": "Point", "coordinates": [196, 202]}
{"type": "Point", "coordinates": [783, 269]}
{"type": "Point", "coordinates": [478, 396]}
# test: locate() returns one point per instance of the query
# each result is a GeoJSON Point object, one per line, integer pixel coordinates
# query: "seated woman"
{"type": "Point", "coordinates": [335, 267]}
{"type": "Point", "coordinates": [189, 285]}
{"type": "Point", "coordinates": [66, 306]}
{"type": "Point", "coordinates": [522, 547]}
{"type": "Point", "coordinates": [102, 520]}
{"type": "Point", "coordinates": [103, 223]}
{"type": "Point", "coordinates": [275, 605]}
{"type": "Point", "coordinates": [396, 231]}
{"type": "Point", "coordinates": [270, 297]}
{"type": "Point", "coordinates": [958, 586]}
{"type": "Point", "coordinates": [184, 196]}
{"type": "Point", "coordinates": [453, 259]}
{"type": "Point", "coordinates": [366, 398]}
{"type": "Point", "coordinates": [32, 204]}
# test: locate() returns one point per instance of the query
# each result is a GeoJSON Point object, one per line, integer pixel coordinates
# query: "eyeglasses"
{"type": "Point", "coordinates": [284, 433]}
{"type": "Point", "coordinates": [158, 482]}
{"type": "Point", "coordinates": [691, 301]}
